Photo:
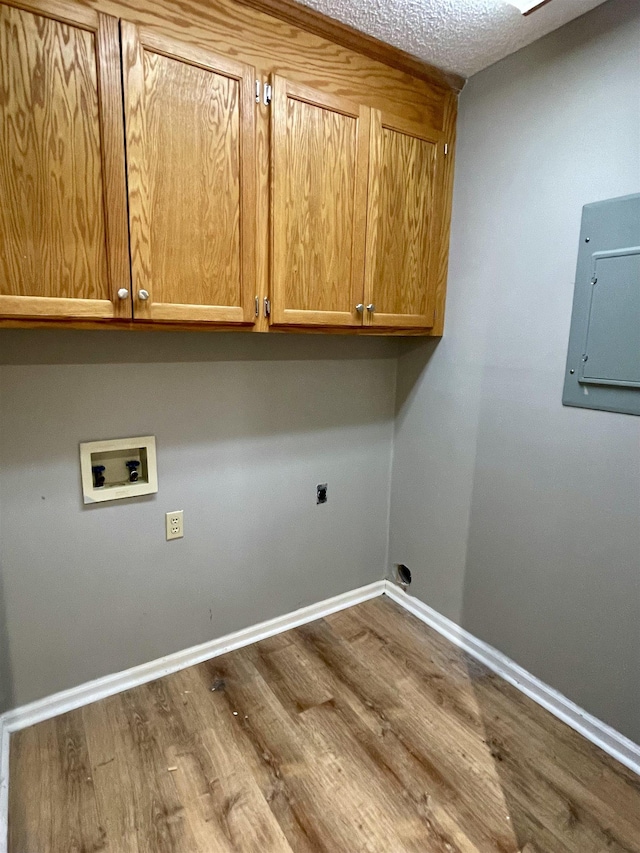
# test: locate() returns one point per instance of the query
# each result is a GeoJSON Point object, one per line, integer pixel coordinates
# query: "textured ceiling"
{"type": "Point", "coordinates": [463, 36]}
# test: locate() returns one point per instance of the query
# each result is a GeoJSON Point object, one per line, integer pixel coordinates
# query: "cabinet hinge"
{"type": "Point", "coordinates": [267, 307]}
{"type": "Point", "coordinates": [267, 93]}
{"type": "Point", "coordinates": [446, 148]}
{"type": "Point", "coordinates": [258, 87]}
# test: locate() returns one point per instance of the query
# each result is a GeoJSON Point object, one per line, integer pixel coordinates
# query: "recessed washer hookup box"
{"type": "Point", "coordinates": [118, 468]}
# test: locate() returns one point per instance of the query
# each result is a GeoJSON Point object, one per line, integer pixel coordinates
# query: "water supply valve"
{"type": "Point", "coordinates": [132, 466]}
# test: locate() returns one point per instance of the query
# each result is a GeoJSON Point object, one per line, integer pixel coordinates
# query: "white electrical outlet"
{"type": "Point", "coordinates": [175, 529]}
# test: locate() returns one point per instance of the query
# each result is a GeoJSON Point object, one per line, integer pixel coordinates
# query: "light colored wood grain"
{"type": "Point", "coordinates": [115, 777]}
{"type": "Point", "coordinates": [161, 820]}
{"type": "Point", "coordinates": [59, 10]}
{"type": "Point", "coordinates": [136, 326]}
{"type": "Point", "coordinates": [449, 732]}
{"type": "Point", "coordinates": [315, 22]}
{"type": "Point", "coordinates": [319, 150]}
{"type": "Point", "coordinates": [193, 163]}
{"type": "Point", "coordinates": [299, 49]}
{"type": "Point", "coordinates": [113, 163]}
{"type": "Point", "coordinates": [215, 770]}
{"type": "Point", "coordinates": [263, 210]}
{"type": "Point", "coordinates": [275, 46]}
{"type": "Point", "coordinates": [191, 168]}
{"type": "Point", "coordinates": [137, 162]}
{"type": "Point", "coordinates": [444, 199]}
{"type": "Point", "coordinates": [30, 783]}
{"type": "Point", "coordinates": [55, 306]}
{"type": "Point", "coordinates": [272, 46]}
{"type": "Point", "coordinates": [63, 766]}
{"type": "Point", "coordinates": [62, 107]}
{"type": "Point", "coordinates": [403, 222]}
{"type": "Point", "coordinates": [363, 731]}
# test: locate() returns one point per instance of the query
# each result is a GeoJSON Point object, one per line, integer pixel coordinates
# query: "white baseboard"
{"type": "Point", "coordinates": [108, 685]}
{"type": "Point", "coordinates": [607, 738]}
{"type": "Point", "coordinates": [4, 786]}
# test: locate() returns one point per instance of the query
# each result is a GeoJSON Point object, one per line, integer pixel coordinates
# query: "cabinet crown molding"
{"type": "Point", "coordinates": [346, 36]}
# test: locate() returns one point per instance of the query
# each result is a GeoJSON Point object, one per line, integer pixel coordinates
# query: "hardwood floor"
{"type": "Point", "coordinates": [364, 731]}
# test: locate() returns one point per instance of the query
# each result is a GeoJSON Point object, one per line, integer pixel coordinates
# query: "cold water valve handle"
{"type": "Point", "coordinates": [133, 466]}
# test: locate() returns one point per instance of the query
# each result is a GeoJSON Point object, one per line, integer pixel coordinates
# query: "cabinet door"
{"type": "Point", "coordinates": [63, 208]}
{"type": "Point", "coordinates": [191, 176]}
{"type": "Point", "coordinates": [318, 212]}
{"type": "Point", "coordinates": [403, 223]}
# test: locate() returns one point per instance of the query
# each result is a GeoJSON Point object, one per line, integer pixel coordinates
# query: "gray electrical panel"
{"type": "Point", "coordinates": [603, 362]}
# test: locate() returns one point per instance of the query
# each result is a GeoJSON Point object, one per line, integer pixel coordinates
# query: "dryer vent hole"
{"type": "Point", "coordinates": [404, 574]}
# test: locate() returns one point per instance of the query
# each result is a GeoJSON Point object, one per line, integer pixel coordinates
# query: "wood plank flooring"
{"type": "Point", "coordinates": [364, 731]}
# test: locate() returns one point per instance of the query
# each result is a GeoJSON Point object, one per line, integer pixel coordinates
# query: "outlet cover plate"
{"type": "Point", "coordinates": [175, 524]}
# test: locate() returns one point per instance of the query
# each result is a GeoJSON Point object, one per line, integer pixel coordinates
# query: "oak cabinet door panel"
{"type": "Point", "coordinates": [318, 213]}
{"type": "Point", "coordinates": [63, 220]}
{"type": "Point", "coordinates": [403, 223]}
{"type": "Point", "coordinates": [191, 175]}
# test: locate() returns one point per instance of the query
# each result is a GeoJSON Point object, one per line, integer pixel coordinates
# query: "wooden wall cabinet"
{"type": "Point", "coordinates": [403, 222]}
{"type": "Point", "coordinates": [191, 177]}
{"type": "Point", "coordinates": [63, 208]}
{"type": "Point", "coordinates": [320, 152]}
{"type": "Point", "coordinates": [356, 206]}
{"type": "Point", "coordinates": [141, 183]}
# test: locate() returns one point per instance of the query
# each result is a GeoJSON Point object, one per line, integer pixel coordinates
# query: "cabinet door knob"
{"type": "Point", "coordinates": [143, 294]}
{"type": "Point", "coordinates": [123, 293]}
{"type": "Point", "coordinates": [359, 307]}
{"type": "Point", "coordinates": [371, 307]}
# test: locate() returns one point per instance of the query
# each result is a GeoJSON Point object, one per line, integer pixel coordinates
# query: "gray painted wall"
{"type": "Point", "coordinates": [6, 699]}
{"type": "Point", "coordinates": [246, 426]}
{"type": "Point", "coordinates": [520, 518]}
